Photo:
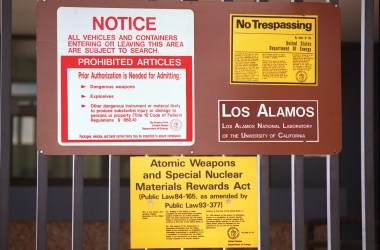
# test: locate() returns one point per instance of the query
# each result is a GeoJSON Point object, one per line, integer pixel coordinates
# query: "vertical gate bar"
{"type": "Point", "coordinates": [224, 248]}
{"type": "Point", "coordinates": [263, 168]}
{"type": "Point", "coordinates": [77, 202]}
{"type": "Point", "coordinates": [333, 213]}
{"type": "Point", "coordinates": [297, 202]}
{"type": "Point", "coordinates": [114, 202]}
{"type": "Point", "coordinates": [5, 119]}
{"type": "Point", "coordinates": [367, 124]}
{"type": "Point", "coordinates": [41, 210]}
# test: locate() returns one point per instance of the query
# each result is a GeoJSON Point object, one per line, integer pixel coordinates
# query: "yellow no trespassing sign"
{"type": "Point", "coordinates": [271, 49]}
{"type": "Point", "coordinates": [194, 202]}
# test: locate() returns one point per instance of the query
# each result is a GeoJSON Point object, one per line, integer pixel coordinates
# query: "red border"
{"type": "Point", "coordinates": [68, 62]}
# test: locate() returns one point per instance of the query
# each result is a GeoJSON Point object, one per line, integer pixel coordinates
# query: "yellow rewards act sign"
{"type": "Point", "coordinates": [194, 202]}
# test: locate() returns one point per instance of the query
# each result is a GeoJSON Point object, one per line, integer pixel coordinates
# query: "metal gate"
{"type": "Point", "coordinates": [297, 165]}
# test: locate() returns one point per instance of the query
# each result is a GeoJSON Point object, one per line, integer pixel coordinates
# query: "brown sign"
{"type": "Point", "coordinates": [141, 86]}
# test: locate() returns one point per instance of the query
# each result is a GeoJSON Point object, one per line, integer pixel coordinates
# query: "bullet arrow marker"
{"type": "Point", "coordinates": [82, 86]}
{"type": "Point", "coordinates": [83, 96]}
{"type": "Point", "coordinates": [83, 105]}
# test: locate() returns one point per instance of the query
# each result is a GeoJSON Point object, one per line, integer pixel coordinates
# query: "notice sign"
{"type": "Point", "coordinates": [274, 49]}
{"type": "Point", "coordinates": [125, 76]}
{"type": "Point", "coordinates": [268, 121]}
{"type": "Point", "coordinates": [194, 202]}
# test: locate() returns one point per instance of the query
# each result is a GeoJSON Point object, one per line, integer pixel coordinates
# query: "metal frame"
{"type": "Point", "coordinates": [332, 164]}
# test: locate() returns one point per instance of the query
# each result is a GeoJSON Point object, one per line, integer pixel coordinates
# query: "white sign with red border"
{"type": "Point", "coordinates": [125, 76]}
